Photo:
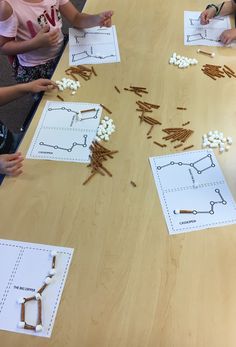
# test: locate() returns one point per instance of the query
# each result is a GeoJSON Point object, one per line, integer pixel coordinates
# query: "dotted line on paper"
{"type": "Point", "coordinates": [192, 187]}
{"type": "Point", "coordinates": [59, 294]}
{"type": "Point", "coordinates": [12, 276]}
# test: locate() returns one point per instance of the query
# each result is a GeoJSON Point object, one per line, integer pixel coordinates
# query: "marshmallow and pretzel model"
{"type": "Point", "coordinates": [37, 297]}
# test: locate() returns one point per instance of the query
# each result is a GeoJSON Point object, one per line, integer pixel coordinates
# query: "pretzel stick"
{"type": "Point", "coordinates": [106, 109]}
{"type": "Point", "coordinates": [117, 89]}
{"type": "Point", "coordinates": [59, 97]}
{"type": "Point", "coordinates": [188, 147]}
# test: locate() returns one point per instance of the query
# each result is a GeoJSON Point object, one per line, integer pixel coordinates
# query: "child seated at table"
{"type": "Point", "coordinates": [31, 31]}
{"type": "Point", "coordinates": [11, 163]}
{"type": "Point", "coordinates": [223, 9]}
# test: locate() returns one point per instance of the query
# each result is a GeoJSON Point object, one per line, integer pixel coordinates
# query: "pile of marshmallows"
{"type": "Point", "coordinates": [216, 139]}
{"type": "Point", "coordinates": [181, 61]}
{"type": "Point", "coordinates": [67, 83]}
{"type": "Point", "coordinates": [105, 129]}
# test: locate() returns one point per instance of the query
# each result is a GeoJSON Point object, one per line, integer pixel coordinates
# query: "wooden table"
{"type": "Point", "coordinates": [130, 283]}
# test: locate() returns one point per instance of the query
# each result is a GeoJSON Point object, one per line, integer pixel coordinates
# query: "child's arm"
{"type": "Point", "coordinates": [11, 93]}
{"type": "Point", "coordinates": [83, 20]}
{"type": "Point", "coordinates": [8, 45]}
{"type": "Point", "coordinates": [11, 164]}
{"type": "Point", "coordinates": [224, 9]}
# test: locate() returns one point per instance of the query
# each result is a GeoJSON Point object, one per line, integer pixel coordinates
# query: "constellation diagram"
{"type": "Point", "coordinates": [76, 57]}
{"type": "Point", "coordinates": [212, 206]}
{"type": "Point", "coordinates": [193, 192]}
{"type": "Point", "coordinates": [86, 33]}
{"type": "Point", "coordinates": [32, 282]}
{"type": "Point", "coordinates": [93, 46]}
{"type": "Point", "coordinates": [201, 36]}
{"type": "Point", "coordinates": [78, 116]}
{"type": "Point", "coordinates": [199, 165]}
{"type": "Point", "coordinates": [74, 144]}
{"type": "Point", "coordinates": [65, 132]}
{"type": "Point", "coordinates": [208, 35]}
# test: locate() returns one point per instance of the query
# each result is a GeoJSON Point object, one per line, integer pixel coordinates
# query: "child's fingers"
{"type": "Point", "coordinates": [13, 156]}
{"type": "Point", "coordinates": [106, 23]}
{"type": "Point", "coordinates": [45, 84]}
{"type": "Point", "coordinates": [105, 18]}
{"type": "Point", "coordinates": [204, 18]}
{"type": "Point", "coordinates": [14, 170]}
{"type": "Point", "coordinates": [17, 173]}
{"type": "Point", "coordinates": [53, 84]}
{"type": "Point", "coordinates": [53, 37]}
{"type": "Point", "coordinates": [109, 14]}
{"type": "Point", "coordinates": [13, 164]}
{"type": "Point", "coordinates": [46, 28]}
{"type": "Point", "coordinates": [50, 87]}
{"type": "Point", "coordinates": [225, 38]}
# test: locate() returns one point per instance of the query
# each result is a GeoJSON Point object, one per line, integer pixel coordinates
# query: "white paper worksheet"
{"type": "Point", "coordinates": [65, 131]}
{"type": "Point", "coordinates": [196, 34]}
{"type": "Point", "coordinates": [24, 267]}
{"type": "Point", "coordinates": [97, 45]}
{"type": "Point", "coordinates": [193, 192]}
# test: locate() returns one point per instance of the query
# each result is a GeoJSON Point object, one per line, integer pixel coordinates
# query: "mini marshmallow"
{"type": "Point", "coordinates": [38, 328]}
{"type": "Point", "coordinates": [53, 253]}
{"type": "Point", "coordinates": [21, 300]}
{"type": "Point", "coordinates": [38, 296]}
{"type": "Point", "coordinates": [21, 325]}
{"type": "Point", "coordinates": [47, 280]}
{"type": "Point", "coordinates": [52, 272]}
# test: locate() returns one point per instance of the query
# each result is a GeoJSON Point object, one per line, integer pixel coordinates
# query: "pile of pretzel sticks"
{"type": "Point", "coordinates": [217, 71]}
{"type": "Point", "coordinates": [178, 134]}
{"type": "Point", "coordinates": [81, 70]}
{"type": "Point", "coordinates": [137, 90]}
{"type": "Point", "coordinates": [146, 107]}
{"type": "Point", "coordinates": [98, 155]}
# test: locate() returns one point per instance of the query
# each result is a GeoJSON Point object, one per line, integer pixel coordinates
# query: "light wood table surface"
{"type": "Point", "coordinates": [130, 284]}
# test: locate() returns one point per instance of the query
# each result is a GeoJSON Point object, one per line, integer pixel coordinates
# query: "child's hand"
{"type": "Point", "coordinates": [47, 37]}
{"type": "Point", "coordinates": [207, 15]}
{"type": "Point", "coordinates": [228, 36]}
{"type": "Point", "coordinates": [104, 19]}
{"type": "Point", "coordinates": [40, 85]}
{"type": "Point", "coordinates": [11, 164]}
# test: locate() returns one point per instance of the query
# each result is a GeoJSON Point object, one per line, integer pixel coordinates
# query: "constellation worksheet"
{"type": "Point", "coordinates": [65, 131]}
{"type": "Point", "coordinates": [26, 273]}
{"type": "Point", "coordinates": [97, 45]}
{"type": "Point", "coordinates": [193, 192]}
{"type": "Point", "coordinates": [204, 35]}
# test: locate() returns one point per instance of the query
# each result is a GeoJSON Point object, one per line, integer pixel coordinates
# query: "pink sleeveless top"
{"type": "Point", "coordinates": [27, 20]}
